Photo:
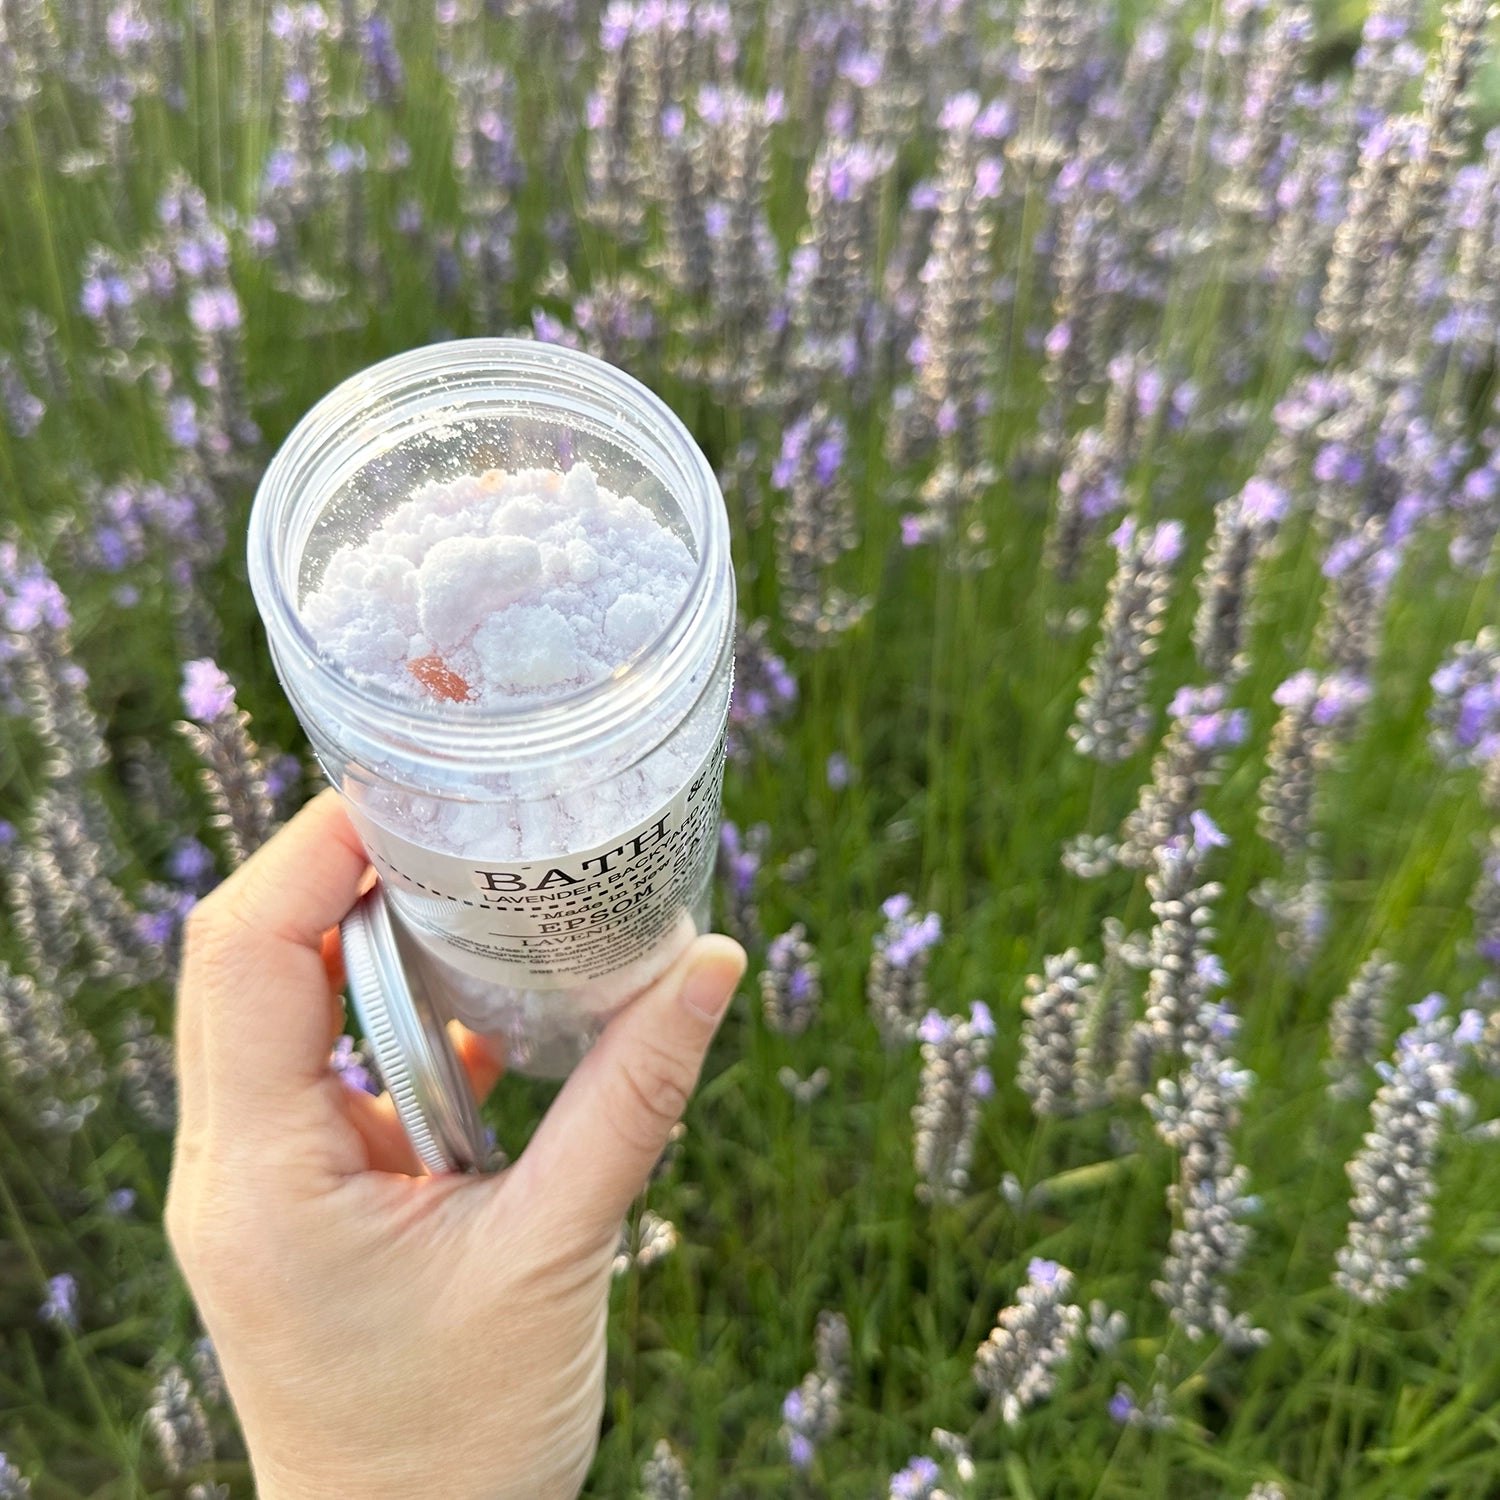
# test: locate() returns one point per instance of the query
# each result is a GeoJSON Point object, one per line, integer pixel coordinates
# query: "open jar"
{"type": "Point", "coordinates": [439, 552]}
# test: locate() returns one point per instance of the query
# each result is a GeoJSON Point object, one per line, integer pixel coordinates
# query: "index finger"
{"type": "Point", "coordinates": [252, 999]}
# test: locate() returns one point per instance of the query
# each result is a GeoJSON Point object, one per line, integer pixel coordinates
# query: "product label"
{"type": "Point", "coordinates": [558, 921]}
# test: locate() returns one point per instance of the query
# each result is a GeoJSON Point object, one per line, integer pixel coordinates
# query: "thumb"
{"type": "Point", "coordinates": [605, 1131]}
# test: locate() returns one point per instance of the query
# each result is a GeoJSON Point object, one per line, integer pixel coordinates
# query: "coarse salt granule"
{"type": "Point", "coordinates": [501, 587]}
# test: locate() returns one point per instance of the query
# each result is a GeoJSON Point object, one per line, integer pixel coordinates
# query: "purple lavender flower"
{"type": "Point", "coordinates": [61, 1305]}
{"type": "Point", "coordinates": [1057, 1004]}
{"type": "Point", "coordinates": [916, 1481]}
{"type": "Point", "coordinates": [1112, 717]}
{"type": "Point", "coordinates": [351, 1062]}
{"type": "Point", "coordinates": [232, 773]}
{"type": "Point", "coordinates": [1315, 711]}
{"type": "Point", "coordinates": [790, 984]}
{"type": "Point", "coordinates": [1191, 760]}
{"type": "Point", "coordinates": [765, 691]}
{"type": "Point", "coordinates": [1357, 1028]}
{"type": "Point", "coordinates": [811, 1412]}
{"type": "Point", "coordinates": [954, 1082]}
{"type": "Point", "coordinates": [1196, 1113]}
{"type": "Point", "coordinates": [206, 691]}
{"type": "Point", "coordinates": [1465, 711]}
{"type": "Point", "coordinates": [178, 1424]}
{"type": "Point", "coordinates": [896, 986]}
{"type": "Point", "coordinates": [739, 864]}
{"type": "Point", "coordinates": [1244, 527]}
{"type": "Point", "coordinates": [1017, 1364]}
{"type": "Point", "coordinates": [1392, 1176]}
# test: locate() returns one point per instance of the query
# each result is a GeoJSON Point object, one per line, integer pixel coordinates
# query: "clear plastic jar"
{"type": "Point", "coordinates": [549, 857]}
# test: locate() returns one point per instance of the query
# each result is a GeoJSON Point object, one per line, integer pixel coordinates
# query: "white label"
{"type": "Point", "coordinates": [557, 922]}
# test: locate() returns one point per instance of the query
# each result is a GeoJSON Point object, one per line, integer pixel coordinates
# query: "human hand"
{"type": "Point", "coordinates": [384, 1333]}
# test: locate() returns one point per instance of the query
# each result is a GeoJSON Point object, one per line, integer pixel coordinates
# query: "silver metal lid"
{"type": "Point", "coordinates": [406, 1028]}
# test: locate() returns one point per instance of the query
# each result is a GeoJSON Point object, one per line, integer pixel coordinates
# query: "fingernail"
{"type": "Point", "coordinates": [709, 985]}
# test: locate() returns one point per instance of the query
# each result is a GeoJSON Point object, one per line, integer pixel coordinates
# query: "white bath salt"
{"type": "Point", "coordinates": [501, 587]}
{"type": "Point", "coordinates": [545, 908]}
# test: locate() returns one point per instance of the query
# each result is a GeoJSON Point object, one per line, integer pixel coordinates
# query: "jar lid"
{"type": "Point", "coordinates": [406, 1029]}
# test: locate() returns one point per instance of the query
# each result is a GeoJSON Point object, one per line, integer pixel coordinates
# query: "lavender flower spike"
{"type": "Point", "coordinates": [1112, 717]}
{"type": "Point", "coordinates": [1017, 1364]}
{"type": "Point", "coordinates": [1056, 1004]}
{"type": "Point", "coordinates": [790, 986]}
{"type": "Point", "coordinates": [1184, 969]}
{"type": "Point", "coordinates": [1244, 527]}
{"type": "Point", "coordinates": [811, 1412]}
{"type": "Point", "coordinates": [955, 1081]}
{"type": "Point", "coordinates": [1191, 760]}
{"type": "Point", "coordinates": [1196, 1113]}
{"type": "Point", "coordinates": [896, 986]}
{"type": "Point", "coordinates": [178, 1424]}
{"type": "Point", "coordinates": [1356, 1026]}
{"type": "Point", "coordinates": [13, 1486]}
{"type": "Point", "coordinates": [1392, 1176]}
{"type": "Point", "coordinates": [663, 1477]}
{"type": "Point", "coordinates": [232, 771]}
{"type": "Point", "coordinates": [1315, 711]}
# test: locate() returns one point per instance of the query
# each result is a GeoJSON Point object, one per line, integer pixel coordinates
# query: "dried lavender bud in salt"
{"type": "Point", "coordinates": [1356, 1026]}
{"type": "Point", "coordinates": [955, 1081]}
{"type": "Point", "coordinates": [511, 589]}
{"type": "Point", "coordinates": [1017, 1364]}
{"type": "Point", "coordinates": [1392, 1175]}
{"type": "Point", "coordinates": [1112, 717]}
{"type": "Point", "coordinates": [1056, 1003]}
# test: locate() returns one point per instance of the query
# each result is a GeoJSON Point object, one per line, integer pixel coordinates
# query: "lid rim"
{"type": "Point", "coordinates": [412, 1051]}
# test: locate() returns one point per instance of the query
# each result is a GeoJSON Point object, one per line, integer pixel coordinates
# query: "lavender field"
{"type": "Point", "coordinates": [1104, 400]}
